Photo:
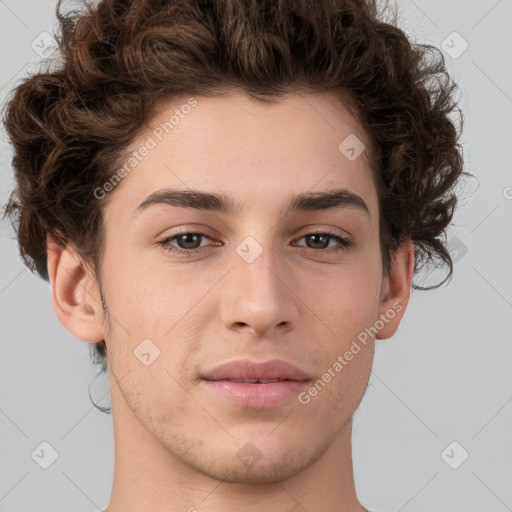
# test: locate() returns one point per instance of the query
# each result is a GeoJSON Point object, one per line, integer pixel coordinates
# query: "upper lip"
{"type": "Point", "coordinates": [247, 369]}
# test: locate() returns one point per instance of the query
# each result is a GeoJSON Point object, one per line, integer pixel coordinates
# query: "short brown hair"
{"type": "Point", "coordinates": [122, 59]}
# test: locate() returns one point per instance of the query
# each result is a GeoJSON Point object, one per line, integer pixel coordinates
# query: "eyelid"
{"type": "Point", "coordinates": [327, 230]}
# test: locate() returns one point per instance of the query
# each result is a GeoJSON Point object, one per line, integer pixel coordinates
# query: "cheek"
{"type": "Point", "coordinates": [350, 298]}
{"type": "Point", "coordinates": [156, 313]}
{"type": "Point", "coordinates": [133, 289]}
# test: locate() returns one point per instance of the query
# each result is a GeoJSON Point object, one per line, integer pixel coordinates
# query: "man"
{"type": "Point", "coordinates": [230, 200]}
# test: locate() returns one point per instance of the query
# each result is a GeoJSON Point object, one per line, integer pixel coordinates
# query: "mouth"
{"type": "Point", "coordinates": [254, 381]}
{"type": "Point", "coordinates": [254, 371]}
{"type": "Point", "coordinates": [256, 385]}
{"type": "Point", "coordinates": [256, 394]}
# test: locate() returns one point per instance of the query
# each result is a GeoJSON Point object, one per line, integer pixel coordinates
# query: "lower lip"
{"type": "Point", "coordinates": [257, 395]}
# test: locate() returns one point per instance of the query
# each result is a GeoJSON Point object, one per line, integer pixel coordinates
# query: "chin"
{"type": "Point", "coordinates": [261, 473]}
{"type": "Point", "coordinates": [270, 463]}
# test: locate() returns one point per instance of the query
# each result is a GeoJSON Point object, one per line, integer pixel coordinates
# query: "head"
{"type": "Point", "coordinates": [246, 127]}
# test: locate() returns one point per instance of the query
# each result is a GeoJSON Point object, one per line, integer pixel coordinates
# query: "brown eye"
{"type": "Point", "coordinates": [319, 242]}
{"type": "Point", "coordinates": [188, 240]}
{"type": "Point", "coordinates": [186, 243]}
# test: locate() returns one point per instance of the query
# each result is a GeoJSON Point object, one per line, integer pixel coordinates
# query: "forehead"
{"type": "Point", "coordinates": [245, 148]}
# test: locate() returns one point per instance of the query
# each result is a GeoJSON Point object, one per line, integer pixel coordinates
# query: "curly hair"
{"type": "Point", "coordinates": [120, 60]}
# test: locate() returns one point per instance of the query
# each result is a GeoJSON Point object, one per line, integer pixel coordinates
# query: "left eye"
{"type": "Point", "coordinates": [190, 242]}
{"type": "Point", "coordinates": [323, 240]}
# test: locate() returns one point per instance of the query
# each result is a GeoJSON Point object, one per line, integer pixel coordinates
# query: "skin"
{"type": "Point", "coordinates": [176, 443]}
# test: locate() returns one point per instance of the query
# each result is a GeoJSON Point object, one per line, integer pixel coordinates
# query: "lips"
{"type": "Point", "coordinates": [256, 381]}
{"type": "Point", "coordinates": [247, 371]}
{"type": "Point", "coordinates": [256, 385]}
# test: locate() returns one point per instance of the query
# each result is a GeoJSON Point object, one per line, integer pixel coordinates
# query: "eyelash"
{"type": "Point", "coordinates": [165, 243]}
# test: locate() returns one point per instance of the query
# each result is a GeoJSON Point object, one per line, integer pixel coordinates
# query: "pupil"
{"type": "Point", "coordinates": [324, 237]}
{"type": "Point", "coordinates": [188, 239]}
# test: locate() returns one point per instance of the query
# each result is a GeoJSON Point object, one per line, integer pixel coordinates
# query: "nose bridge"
{"type": "Point", "coordinates": [257, 296]}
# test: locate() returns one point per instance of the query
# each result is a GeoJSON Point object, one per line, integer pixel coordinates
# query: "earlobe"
{"type": "Point", "coordinates": [397, 289]}
{"type": "Point", "coordinates": [75, 297]}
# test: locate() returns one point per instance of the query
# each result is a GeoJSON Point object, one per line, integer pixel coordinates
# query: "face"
{"type": "Point", "coordinates": [190, 285]}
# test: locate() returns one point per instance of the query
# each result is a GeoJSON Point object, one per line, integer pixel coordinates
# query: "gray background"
{"type": "Point", "coordinates": [444, 377]}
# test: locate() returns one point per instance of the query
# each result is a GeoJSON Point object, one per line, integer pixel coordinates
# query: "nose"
{"type": "Point", "coordinates": [258, 297]}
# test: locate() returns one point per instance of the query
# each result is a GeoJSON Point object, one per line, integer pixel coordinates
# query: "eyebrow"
{"type": "Point", "coordinates": [305, 202]}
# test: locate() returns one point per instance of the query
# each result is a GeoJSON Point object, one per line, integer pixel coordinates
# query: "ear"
{"type": "Point", "coordinates": [75, 294]}
{"type": "Point", "coordinates": [396, 289]}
